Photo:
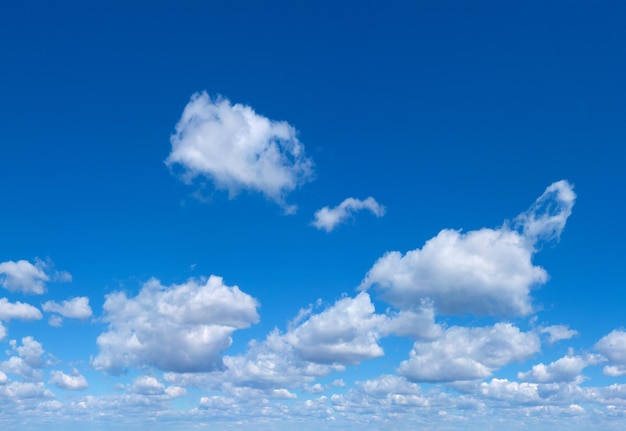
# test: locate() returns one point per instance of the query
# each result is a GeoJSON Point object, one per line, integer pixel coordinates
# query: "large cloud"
{"type": "Point", "coordinates": [484, 272]}
{"type": "Point", "coordinates": [238, 149]}
{"type": "Point", "coordinates": [469, 353]}
{"type": "Point", "coordinates": [328, 218]}
{"type": "Point", "coordinates": [182, 328]}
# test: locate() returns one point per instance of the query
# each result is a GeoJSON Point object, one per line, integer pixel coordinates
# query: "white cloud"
{"type": "Point", "coordinates": [505, 390]}
{"type": "Point", "coordinates": [329, 218]}
{"type": "Point", "coordinates": [483, 272]}
{"type": "Point", "coordinates": [28, 362]}
{"type": "Point", "coordinates": [270, 364]}
{"type": "Point", "coordinates": [613, 346]}
{"type": "Point", "coordinates": [558, 333]}
{"type": "Point", "coordinates": [21, 391]}
{"type": "Point", "coordinates": [346, 333]}
{"type": "Point", "coordinates": [147, 385]}
{"type": "Point", "coordinates": [18, 310]}
{"type": "Point", "coordinates": [468, 353]}
{"type": "Point", "coordinates": [75, 308]}
{"type": "Point", "coordinates": [74, 382]}
{"type": "Point", "coordinates": [238, 149]}
{"type": "Point", "coordinates": [3, 378]}
{"type": "Point", "coordinates": [183, 328]}
{"type": "Point", "coordinates": [3, 331]}
{"type": "Point", "coordinates": [615, 370]}
{"type": "Point", "coordinates": [23, 276]}
{"type": "Point", "coordinates": [565, 369]}
{"type": "Point", "coordinates": [546, 218]}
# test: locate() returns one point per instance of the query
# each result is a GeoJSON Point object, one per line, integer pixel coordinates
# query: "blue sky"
{"type": "Point", "coordinates": [324, 215]}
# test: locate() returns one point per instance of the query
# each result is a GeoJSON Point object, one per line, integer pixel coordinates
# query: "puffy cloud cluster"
{"type": "Point", "coordinates": [328, 218]}
{"type": "Point", "coordinates": [483, 272]}
{"type": "Point", "coordinates": [73, 382]}
{"type": "Point", "coordinates": [23, 276]}
{"type": "Point", "coordinates": [469, 353]}
{"type": "Point", "coordinates": [346, 333]}
{"type": "Point", "coordinates": [238, 149]}
{"type": "Point", "coordinates": [27, 360]}
{"type": "Point", "coordinates": [74, 308]}
{"type": "Point", "coordinates": [182, 328]}
{"type": "Point", "coordinates": [565, 369]}
{"type": "Point", "coordinates": [613, 346]}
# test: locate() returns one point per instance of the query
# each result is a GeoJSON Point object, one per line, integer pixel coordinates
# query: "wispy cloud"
{"type": "Point", "coordinates": [329, 218]}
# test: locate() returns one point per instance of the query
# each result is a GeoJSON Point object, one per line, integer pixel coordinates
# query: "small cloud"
{"type": "Point", "coordinates": [328, 218]}
{"type": "Point", "coordinates": [75, 308]}
{"type": "Point", "coordinates": [74, 382]}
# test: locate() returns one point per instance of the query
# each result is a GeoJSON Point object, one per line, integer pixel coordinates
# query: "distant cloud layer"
{"type": "Point", "coordinates": [482, 272]}
{"type": "Point", "coordinates": [238, 149]}
{"type": "Point", "coordinates": [329, 218]}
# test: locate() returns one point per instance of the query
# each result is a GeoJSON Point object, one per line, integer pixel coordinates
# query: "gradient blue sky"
{"type": "Point", "coordinates": [419, 204]}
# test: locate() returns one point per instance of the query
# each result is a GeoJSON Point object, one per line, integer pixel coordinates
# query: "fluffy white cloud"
{"type": "Point", "coordinates": [18, 310]}
{"type": "Point", "coordinates": [3, 331]}
{"type": "Point", "coordinates": [3, 378]}
{"type": "Point", "coordinates": [328, 218]}
{"type": "Point", "coordinates": [346, 333]}
{"type": "Point", "coordinates": [468, 353]}
{"type": "Point", "coordinates": [613, 346]}
{"type": "Point", "coordinates": [238, 149]}
{"type": "Point", "coordinates": [182, 328]}
{"type": "Point", "coordinates": [74, 382]}
{"type": "Point", "coordinates": [315, 344]}
{"type": "Point", "coordinates": [23, 276]}
{"type": "Point", "coordinates": [484, 272]}
{"type": "Point", "coordinates": [28, 362]}
{"type": "Point", "coordinates": [147, 385]}
{"type": "Point", "coordinates": [565, 369]}
{"type": "Point", "coordinates": [74, 308]}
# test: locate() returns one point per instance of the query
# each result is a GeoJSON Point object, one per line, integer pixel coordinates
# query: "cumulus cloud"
{"type": "Point", "coordinates": [147, 385]}
{"type": "Point", "coordinates": [18, 310]}
{"type": "Point", "coordinates": [315, 344]}
{"type": "Point", "coordinates": [74, 308]}
{"type": "Point", "coordinates": [74, 382]}
{"type": "Point", "coordinates": [182, 328]}
{"type": "Point", "coordinates": [23, 276]}
{"type": "Point", "coordinates": [565, 369]}
{"type": "Point", "coordinates": [613, 346]}
{"type": "Point", "coordinates": [346, 333]}
{"type": "Point", "coordinates": [28, 362]}
{"type": "Point", "coordinates": [328, 218]}
{"type": "Point", "coordinates": [238, 149]}
{"type": "Point", "coordinates": [483, 272]}
{"type": "Point", "coordinates": [468, 353]}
